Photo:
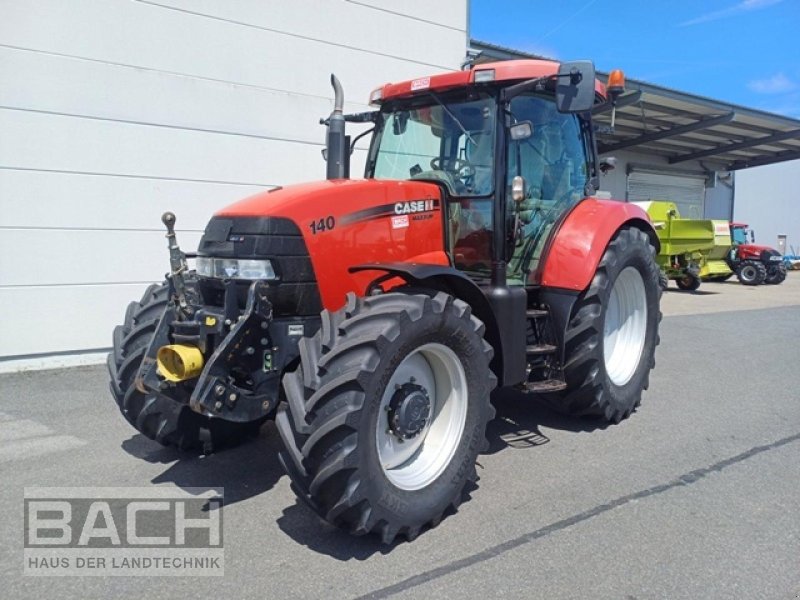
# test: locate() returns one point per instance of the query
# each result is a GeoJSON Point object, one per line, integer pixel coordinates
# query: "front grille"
{"type": "Point", "coordinates": [278, 239]}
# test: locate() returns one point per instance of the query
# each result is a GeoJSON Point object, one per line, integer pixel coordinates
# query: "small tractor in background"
{"type": "Point", "coordinates": [373, 317]}
{"type": "Point", "coordinates": [751, 263]}
{"type": "Point", "coordinates": [685, 243]}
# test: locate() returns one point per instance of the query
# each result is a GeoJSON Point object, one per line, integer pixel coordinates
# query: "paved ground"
{"type": "Point", "coordinates": [696, 496]}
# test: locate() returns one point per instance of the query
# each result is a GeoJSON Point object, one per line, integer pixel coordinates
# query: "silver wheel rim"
{"type": "Point", "coordinates": [749, 273]}
{"type": "Point", "coordinates": [415, 463]}
{"type": "Point", "coordinates": [625, 326]}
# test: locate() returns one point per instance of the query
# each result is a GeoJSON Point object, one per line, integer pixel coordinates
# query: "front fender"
{"type": "Point", "coordinates": [579, 244]}
{"type": "Point", "coordinates": [502, 310]}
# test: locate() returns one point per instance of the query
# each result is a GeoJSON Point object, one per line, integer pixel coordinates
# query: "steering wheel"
{"type": "Point", "coordinates": [459, 166]}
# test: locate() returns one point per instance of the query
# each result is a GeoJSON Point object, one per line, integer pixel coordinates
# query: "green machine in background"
{"type": "Point", "coordinates": [715, 267]}
{"type": "Point", "coordinates": [685, 243]}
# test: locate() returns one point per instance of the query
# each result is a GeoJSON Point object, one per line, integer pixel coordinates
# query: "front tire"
{"type": "Point", "coordinates": [663, 281]}
{"type": "Point", "coordinates": [751, 272]}
{"type": "Point", "coordinates": [610, 340]}
{"type": "Point", "coordinates": [168, 422]}
{"type": "Point", "coordinates": [776, 274]}
{"type": "Point", "coordinates": [384, 368]}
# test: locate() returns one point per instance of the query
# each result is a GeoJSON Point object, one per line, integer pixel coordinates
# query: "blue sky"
{"type": "Point", "coordinates": [741, 51]}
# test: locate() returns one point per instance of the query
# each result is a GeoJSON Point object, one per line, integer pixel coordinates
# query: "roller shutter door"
{"type": "Point", "coordinates": [685, 191]}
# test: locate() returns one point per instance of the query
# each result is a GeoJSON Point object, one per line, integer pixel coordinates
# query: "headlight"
{"type": "Point", "coordinates": [235, 268]}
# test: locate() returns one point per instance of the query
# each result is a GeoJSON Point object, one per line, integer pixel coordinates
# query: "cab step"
{"type": "Point", "coordinates": [536, 313]}
{"type": "Point", "coordinates": [545, 386]}
{"type": "Point", "coordinates": [540, 349]}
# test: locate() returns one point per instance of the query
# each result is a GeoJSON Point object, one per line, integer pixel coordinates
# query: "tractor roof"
{"type": "Point", "coordinates": [506, 71]}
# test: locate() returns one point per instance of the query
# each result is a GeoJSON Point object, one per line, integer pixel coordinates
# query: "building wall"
{"type": "Point", "coordinates": [768, 199]}
{"type": "Point", "coordinates": [116, 110]}
{"type": "Point", "coordinates": [718, 199]}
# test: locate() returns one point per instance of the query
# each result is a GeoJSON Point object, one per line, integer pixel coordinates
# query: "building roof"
{"type": "Point", "coordinates": [681, 127]}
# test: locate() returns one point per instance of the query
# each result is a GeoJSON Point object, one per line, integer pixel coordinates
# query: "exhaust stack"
{"type": "Point", "coordinates": [336, 142]}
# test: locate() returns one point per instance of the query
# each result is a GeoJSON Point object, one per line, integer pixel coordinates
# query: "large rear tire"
{"type": "Point", "coordinates": [168, 422]}
{"type": "Point", "coordinates": [611, 338]}
{"type": "Point", "coordinates": [751, 272]}
{"type": "Point", "coordinates": [386, 368]}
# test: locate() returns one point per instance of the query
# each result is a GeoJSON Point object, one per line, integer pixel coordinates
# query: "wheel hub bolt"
{"type": "Point", "coordinates": [409, 409]}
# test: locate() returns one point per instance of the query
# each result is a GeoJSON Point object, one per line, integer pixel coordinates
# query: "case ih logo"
{"type": "Point", "coordinates": [414, 206]}
{"type": "Point", "coordinates": [409, 207]}
{"type": "Point", "coordinates": [123, 531]}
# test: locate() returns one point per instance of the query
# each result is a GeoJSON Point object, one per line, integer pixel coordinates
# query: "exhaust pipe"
{"type": "Point", "coordinates": [179, 362]}
{"type": "Point", "coordinates": [336, 142]}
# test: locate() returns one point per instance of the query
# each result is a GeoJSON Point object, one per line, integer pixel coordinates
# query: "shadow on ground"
{"type": "Point", "coordinates": [252, 468]}
{"type": "Point", "coordinates": [692, 293]}
{"type": "Point", "coordinates": [244, 471]}
{"type": "Point", "coordinates": [519, 417]}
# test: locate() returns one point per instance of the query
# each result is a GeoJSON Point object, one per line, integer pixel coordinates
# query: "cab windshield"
{"type": "Point", "coordinates": [443, 138]}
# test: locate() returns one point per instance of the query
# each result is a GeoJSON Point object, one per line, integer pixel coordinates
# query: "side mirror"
{"type": "Point", "coordinates": [575, 87]}
{"type": "Point", "coordinates": [521, 131]}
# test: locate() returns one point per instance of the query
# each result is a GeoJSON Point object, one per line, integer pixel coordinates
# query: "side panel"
{"type": "Point", "coordinates": [579, 243]}
{"type": "Point", "coordinates": [351, 222]}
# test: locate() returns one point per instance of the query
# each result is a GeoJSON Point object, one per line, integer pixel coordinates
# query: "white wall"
{"type": "Point", "coordinates": [768, 198]}
{"type": "Point", "coordinates": [112, 111]}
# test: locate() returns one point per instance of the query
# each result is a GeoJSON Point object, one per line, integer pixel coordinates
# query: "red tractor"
{"type": "Point", "coordinates": [753, 264]}
{"type": "Point", "coordinates": [374, 317]}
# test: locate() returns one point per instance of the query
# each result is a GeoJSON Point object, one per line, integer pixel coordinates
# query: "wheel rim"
{"type": "Point", "coordinates": [748, 273]}
{"type": "Point", "coordinates": [415, 463]}
{"type": "Point", "coordinates": [625, 326]}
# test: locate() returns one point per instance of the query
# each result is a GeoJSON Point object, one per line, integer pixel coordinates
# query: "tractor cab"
{"type": "Point", "coordinates": [511, 147]}
{"type": "Point", "coordinates": [739, 232]}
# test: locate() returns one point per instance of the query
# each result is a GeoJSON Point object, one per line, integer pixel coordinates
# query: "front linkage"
{"type": "Point", "coordinates": [240, 380]}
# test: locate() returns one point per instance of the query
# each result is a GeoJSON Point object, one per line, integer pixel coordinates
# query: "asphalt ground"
{"type": "Point", "coordinates": [697, 495]}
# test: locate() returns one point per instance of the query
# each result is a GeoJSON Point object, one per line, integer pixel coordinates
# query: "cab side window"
{"type": "Point", "coordinates": [554, 164]}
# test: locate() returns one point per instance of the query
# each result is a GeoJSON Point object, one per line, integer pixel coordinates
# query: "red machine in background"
{"type": "Point", "coordinates": [752, 263]}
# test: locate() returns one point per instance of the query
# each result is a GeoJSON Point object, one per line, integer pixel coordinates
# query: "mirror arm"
{"type": "Point", "coordinates": [515, 90]}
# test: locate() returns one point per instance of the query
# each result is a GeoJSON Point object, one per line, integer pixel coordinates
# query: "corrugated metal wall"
{"type": "Point", "coordinates": [112, 111]}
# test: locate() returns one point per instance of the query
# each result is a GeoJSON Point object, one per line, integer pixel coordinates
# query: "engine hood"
{"type": "Point", "coordinates": [758, 249]}
{"type": "Point", "coordinates": [306, 201]}
{"type": "Point", "coordinates": [344, 224]}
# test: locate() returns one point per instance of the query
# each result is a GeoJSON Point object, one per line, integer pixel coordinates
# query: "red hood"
{"type": "Point", "coordinates": [755, 248]}
{"type": "Point", "coordinates": [345, 223]}
{"type": "Point", "coordinates": [309, 200]}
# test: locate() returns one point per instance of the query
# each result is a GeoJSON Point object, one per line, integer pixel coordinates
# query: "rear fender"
{"type": "Point", "coordinates": [579, 244]}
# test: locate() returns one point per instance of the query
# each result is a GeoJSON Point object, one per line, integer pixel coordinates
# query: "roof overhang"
{"type": "Point", "coordinates": [684, 127]}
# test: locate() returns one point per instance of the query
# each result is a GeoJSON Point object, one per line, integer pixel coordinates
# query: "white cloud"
{"type": "Point", "coordinates": [741, 7]}
{"type": "Point", "coordinates": [777, 84]}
